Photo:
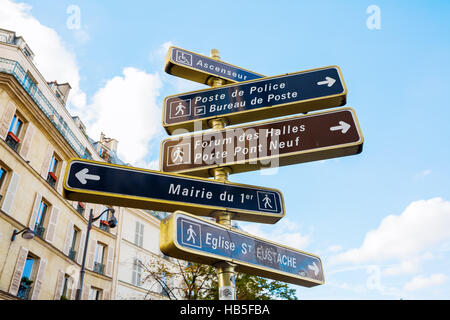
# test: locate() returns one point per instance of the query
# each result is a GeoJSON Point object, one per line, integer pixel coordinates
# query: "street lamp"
{"type": "Point", "coordinates": [27, 233]}
{"type": "Point", "coordinates": [112, 222]}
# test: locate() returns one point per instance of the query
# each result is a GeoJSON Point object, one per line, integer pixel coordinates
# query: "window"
{"type": "Point", "coordinates": [39, 226]}
{"type": "Point", "coordinates": [104, 219]}
{"type": "Point", "coordinates": [16, 125]}
{"type": "Point", "coordinates": [26, 282]}
{"type": "Point", "coordinates": [165, 285]}
{"type": "Point", "coordinates": [136, 272]}
{"type": "Point", "coordinates": [139, 234]}
{"type": "Point", "coordinates": [72, 251]}
{"type": "Point", "coordinates": [12, 139]}
{"type": "Point", "coordinates": [2, 176]}
{"type": "Point", "coordinates": [3, 173]}
{"type": "Point", "coordinates": [65, 288]}
{"type": "Point", "coordinates": [52, 171]}
{"type": "Point", "coordinates": [100, 250]}
{"type": "Point", "coordinates": [81, 207]}
{"type": "Point", "coordinates": [95, 294]}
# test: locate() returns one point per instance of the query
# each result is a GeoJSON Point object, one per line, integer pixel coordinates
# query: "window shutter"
{"type": "Point", "coordinates": [46, 163]}
{"type": "Point", "coordinates": [91, 254]}
{"type": "Point", "coordinates": [136, 233]}
{"type": "Point", "coordinates": [18, 270]}
{"type": "Point", "coordinates": [6, 119]}
{"type": "Point", "coordinates": [59, 284]}
{"type": "Point", "coordinates": [34, 213]}
{"type": "Point", "coordinates": [87, 209]}
{"type": "Point", "coordinates": [61, 177]}
{"type": "Point", "coordinates": [141, 232]}
{"type": "Point", "coordinates": [97, 208]}
{"type": "Point", "coordinates": [26, 141]}
{"type": "Point", "coordinates": [74, 286]}
{"type": "Point", "coordinates": [110, 261]}
{"type": "Point", "coordinates": [134, 273]}
{"type": "Point", "coordinates": [69, 236]}
{"type": "Point", "coordinates": [52, 224]}
{"type": "Point", "coordinates": [11, 193]}
{"type": "Point", "coordinates": [106, 295]}
{"type": "Point", "coordinates": [81, 247]}
{"type": "Point", "coordinates": [70, 288]}
{"type": "Point", "coordinates": [86, 291]}
{"type": "Point", "coordinates": [39, 280]}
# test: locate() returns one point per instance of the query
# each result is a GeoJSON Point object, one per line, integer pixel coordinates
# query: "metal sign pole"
{"type": "Point", "coordinates": [225, 270]}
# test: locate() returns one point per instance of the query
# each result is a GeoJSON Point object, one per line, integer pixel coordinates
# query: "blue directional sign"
{"type": "Point", "coordinates": [186, 237]}
{"type": "Point", "coordinates": [256, 99]}
{"type": "Point", "coordinates": [202, 69]}
{"type": "Point", "coordinates": [105, 183]}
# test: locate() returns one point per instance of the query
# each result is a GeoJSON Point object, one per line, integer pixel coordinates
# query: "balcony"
{"type": "Point", "coordinates": [12, 141]}
{"type": "Point", "coordinates": [24, 289]}
{"type": "Point", "coordinates": [14, 68]}
{"type": "Point", "coordinates": [39, 231]}
{"type": "Point", "coordinates": [51, 179]}
{"type": "Point", "coordinates": [80, 208]}
{"type": "Point", "coordinates": [104, 225]}
{"type": "Point", "coordinates": [99, 267]}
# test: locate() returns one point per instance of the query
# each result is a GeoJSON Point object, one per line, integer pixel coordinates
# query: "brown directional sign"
{"type": "Point", "coordinates": [263, 145]}
{"type": "Point", "coordinates": [256, 99]}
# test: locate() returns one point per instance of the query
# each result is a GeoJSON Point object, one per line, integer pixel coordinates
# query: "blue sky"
{"type": "Point", "coordinates": [380, 220]}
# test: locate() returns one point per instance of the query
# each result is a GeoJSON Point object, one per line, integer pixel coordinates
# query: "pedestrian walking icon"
{"type": "Point", "coordinates": [267, 202]}
{"type": "Point", "coordinates": [191, 234]}
{"type": "Point", "coordinates": [177, 155]}
{"type": "Point", "coordinates": [180, 108]}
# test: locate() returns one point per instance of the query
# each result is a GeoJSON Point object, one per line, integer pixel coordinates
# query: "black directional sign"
{"type": "Point", "coordinates": [199, 68]}
{"type": "Point", "coordinates": [255, 99]}
{"type": "Point", "coordinates": [186, 237]}
{"type": "Point", "coordinates": [104, 183]}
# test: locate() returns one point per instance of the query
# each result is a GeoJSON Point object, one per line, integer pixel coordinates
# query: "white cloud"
{"type": "Point", "coordinates": [421, 282]}
{"type": "Point", "coordinates": [334, 248]}
{"type": "Point", "coordinates": [284, 232]}
{"type": "Point", "coordinates": [422, 174]}
{"type": "Point", "coordinates": [157, 56]}
{"type": "Point", "coordinates": [126, 109]}
{"type": "Point", "coordinates": [422, 225]}
{"type": "Point", "coordinates": [52, 58]}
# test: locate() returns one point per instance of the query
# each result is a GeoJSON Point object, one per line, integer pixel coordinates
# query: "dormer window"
{"type": "Point", "coordinates": [26, 52]}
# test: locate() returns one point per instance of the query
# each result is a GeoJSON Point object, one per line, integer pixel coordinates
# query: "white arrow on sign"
{"type": "Point", "coordinates": [314, 267]}
{"type": "Point", "coordinates": [83, 176]}
{"type": "Point", "coordinates": [328, 80]}
{"type": "Point", "coordinates": [344, 126]}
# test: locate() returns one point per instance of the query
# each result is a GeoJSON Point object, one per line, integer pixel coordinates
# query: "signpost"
{"type": "Point", "coordinates": [196, 67]}
{"type": "Point", "coordinates": [186, 237]}
{"type": "Point", "coordinates": [238, 96]}
{"type": "Point", "coordinates": [269, 144]}
{"type": "Point", "coordinates": [255, 99]}
{"type": "Point", "coordinates": [99, 182]}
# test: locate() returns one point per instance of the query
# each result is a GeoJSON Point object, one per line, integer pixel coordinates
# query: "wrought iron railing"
{"type": "Point", "coordinates": [99, 267]}
{"type": "Point", "coordinates": [14, 68]}
{"type": "Point", "coordinates": [72, 254]}
{"type": "Point", "coordinates": [39, 230]}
